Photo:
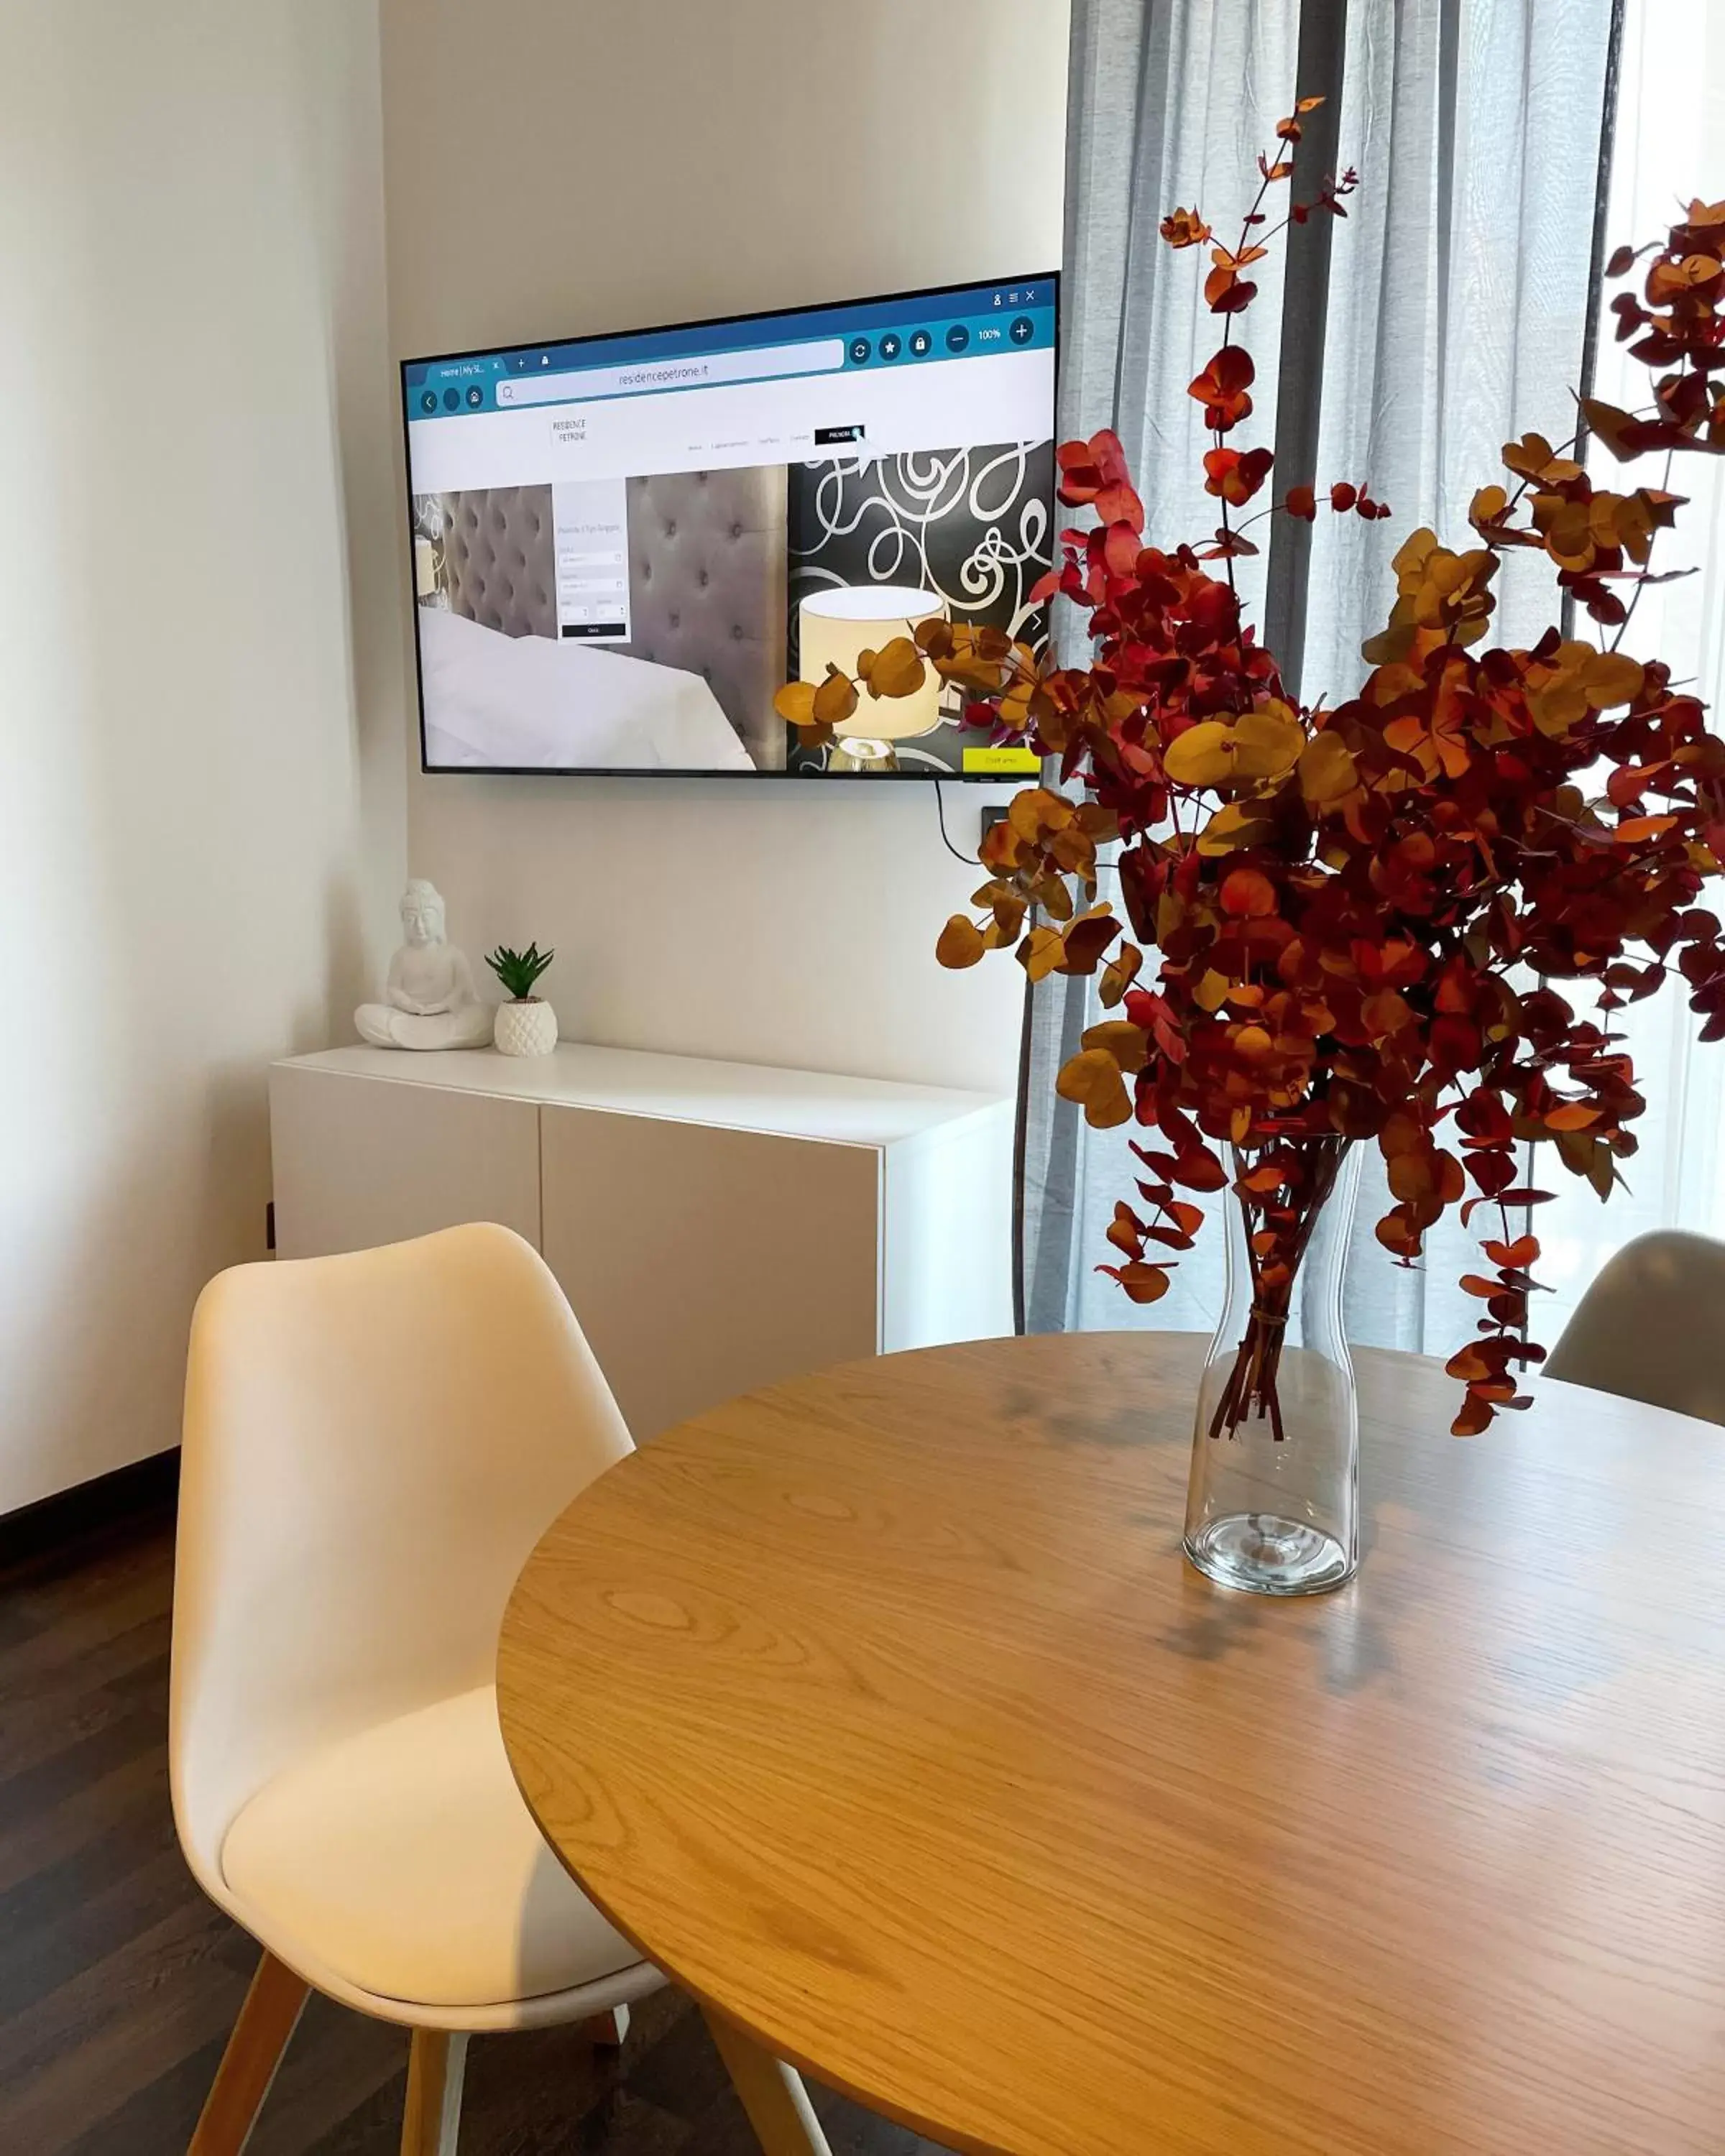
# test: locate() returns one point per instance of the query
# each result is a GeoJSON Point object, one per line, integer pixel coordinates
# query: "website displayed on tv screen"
{"type": "Point", "coordinates": [624, 546]}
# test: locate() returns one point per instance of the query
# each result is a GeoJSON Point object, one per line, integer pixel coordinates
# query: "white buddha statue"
{"type": "Point", "coordinates": [429, 999]}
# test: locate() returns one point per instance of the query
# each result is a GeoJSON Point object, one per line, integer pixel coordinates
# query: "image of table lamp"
{"type": "Point", "coordinates": [833, 627]}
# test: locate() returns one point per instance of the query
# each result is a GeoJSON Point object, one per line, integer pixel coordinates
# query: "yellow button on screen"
{"type": "Point", "coordinates": [1002, 759]}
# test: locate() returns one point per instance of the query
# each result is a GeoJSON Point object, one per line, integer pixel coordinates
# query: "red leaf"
{"type": "Point", "coordinates": [1225, 291]}
{"type": "Point", "coordinates": [1229, 545]}
{"type": "Point", "coordinates": [1118, 504]}
{"type": "Point", "coordinates": [1248, 891]}
{"type": "Point", "coordinates": [1199, 1171]}
{"type": "Point", "coordinates": [1235, 475]}
{"type": "Point", "coordinates": [1222, 388]}
{"type": "Point", "coordinates": [1121, 548]}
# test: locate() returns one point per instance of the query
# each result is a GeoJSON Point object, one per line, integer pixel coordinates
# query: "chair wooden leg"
{"type": "Point", "coordinates": [773, 2094]}
{"type": "Point", "coordinates": [260, 2035]}
{"type": "Point", "coordinates": [608, 2029]}
{"type": "Point", "coordinates": [436, 2067]}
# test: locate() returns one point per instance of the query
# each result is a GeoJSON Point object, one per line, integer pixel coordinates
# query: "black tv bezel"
{"type": "Point", "coordinates": [859, 781]}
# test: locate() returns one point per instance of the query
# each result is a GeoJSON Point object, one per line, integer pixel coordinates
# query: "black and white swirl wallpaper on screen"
{"type": "Point", "coordinates": [974, 526]}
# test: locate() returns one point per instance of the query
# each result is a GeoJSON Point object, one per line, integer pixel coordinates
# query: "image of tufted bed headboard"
{"type": "Point", "coordinates": [706, 581]}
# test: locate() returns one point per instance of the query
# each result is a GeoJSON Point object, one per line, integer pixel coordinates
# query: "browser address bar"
{"type": "Point", "coordinates": [695, 371]}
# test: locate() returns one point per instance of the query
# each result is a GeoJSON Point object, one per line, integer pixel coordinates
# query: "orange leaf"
{"type": "Point", "coordinates": [1092, 1079]}
{"type": "Point", "coordinates": [1475, 1416]}
{"type": "Point", "coordinates": [795, 703]}
{"type": "Point", "coordinates": [1037, 812]}
{"type": "Point", "coordinates": [1626, 436]}
{"type": "Point", "coordinates": [1327, 773]}
{"type": "Point", "coordinates": [1040, 952]}
{"type": "Point", "coordinates": [897, 670]}
{"type": "Point", "coordinates": [1185, 228]}
{"type": "Point", "coordinates": [1143, 1283]}
{"type": "Point", "coordinates": [1118, 975]}
{"type": "Point", "coordinates": [834, 700]}
{"type": "Point", "coordinates": [1127, 1044]}
{"type": "Point", "coordinates": [1633, 830]}
{"type": "Point", "coordinates": [961, 943]}
{"type": "Point", "coordinates": [1084, 940]}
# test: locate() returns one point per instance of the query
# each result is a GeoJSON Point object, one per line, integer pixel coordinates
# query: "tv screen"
{"type": "Point", "coordinates": [624, 546]}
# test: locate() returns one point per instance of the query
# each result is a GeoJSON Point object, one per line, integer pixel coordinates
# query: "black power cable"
{"type": "Point", "coordinates": [940, 807]}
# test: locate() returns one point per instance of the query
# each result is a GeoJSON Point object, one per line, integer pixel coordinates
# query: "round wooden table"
{"type": "Point", "coordinates": [879, 1711]}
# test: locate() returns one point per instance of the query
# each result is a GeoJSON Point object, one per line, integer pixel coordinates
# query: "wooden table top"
{"type": "Point", "coordinates": [880, 1712]}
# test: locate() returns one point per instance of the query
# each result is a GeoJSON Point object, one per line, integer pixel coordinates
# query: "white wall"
{"type": "Point", "coordinates": [201, 696]}
{"type": "Point", "coordinates": [561, 165]}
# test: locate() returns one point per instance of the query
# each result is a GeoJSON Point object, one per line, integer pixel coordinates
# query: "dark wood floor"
{"type": "Point", "coordinates": [119, 1982]}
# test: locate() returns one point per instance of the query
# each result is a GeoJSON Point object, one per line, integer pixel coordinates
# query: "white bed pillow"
{"type": "Point", "coordinates": [494, 702]}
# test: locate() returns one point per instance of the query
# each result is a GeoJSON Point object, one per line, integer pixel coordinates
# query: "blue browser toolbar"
{"type": "Point", "coordinates": [910, 330]}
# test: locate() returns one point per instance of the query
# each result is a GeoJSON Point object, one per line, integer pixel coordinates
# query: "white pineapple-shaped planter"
{"type": "Point", "coordinates": [526, 1027]}
{"type": "Point", "coordinates": [526, 1024]}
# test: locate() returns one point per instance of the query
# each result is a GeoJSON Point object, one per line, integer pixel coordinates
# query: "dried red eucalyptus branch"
{"type": "Point", "coordinates": [1348, 905]}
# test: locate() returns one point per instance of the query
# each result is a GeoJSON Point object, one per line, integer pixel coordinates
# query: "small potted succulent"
{"type": "Point", "coordinates": [526, 1024]}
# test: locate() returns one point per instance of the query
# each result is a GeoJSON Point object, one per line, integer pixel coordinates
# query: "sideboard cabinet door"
{"type": "Point", "coordinates": [701, 1261]}
{"type": "Point", "coordinates": [363, 1160]}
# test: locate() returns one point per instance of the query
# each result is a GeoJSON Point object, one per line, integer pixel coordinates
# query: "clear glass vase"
{"type": "Point", "coordinates": [1272, 1505]}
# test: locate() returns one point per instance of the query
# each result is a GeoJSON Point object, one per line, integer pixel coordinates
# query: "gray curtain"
{"type": "Point", "coordinates": [1445, 315]}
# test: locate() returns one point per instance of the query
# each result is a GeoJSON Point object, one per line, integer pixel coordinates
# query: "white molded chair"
{"type": "Point", "coordinates": [373, 1444]}
{"type": "Point", "coordinates": [1649, 1328]}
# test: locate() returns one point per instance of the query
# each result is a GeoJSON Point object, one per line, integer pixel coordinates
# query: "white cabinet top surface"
{"type": "Point", "coordinates": [687, 1089]}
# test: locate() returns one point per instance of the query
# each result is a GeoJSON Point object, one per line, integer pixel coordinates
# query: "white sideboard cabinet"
{"type": "Point", "coordinates": [715, 1226]}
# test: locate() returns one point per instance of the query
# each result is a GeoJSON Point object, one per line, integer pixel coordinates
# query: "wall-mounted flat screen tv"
{"type": "Point", "coordinates": [624, 546]}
